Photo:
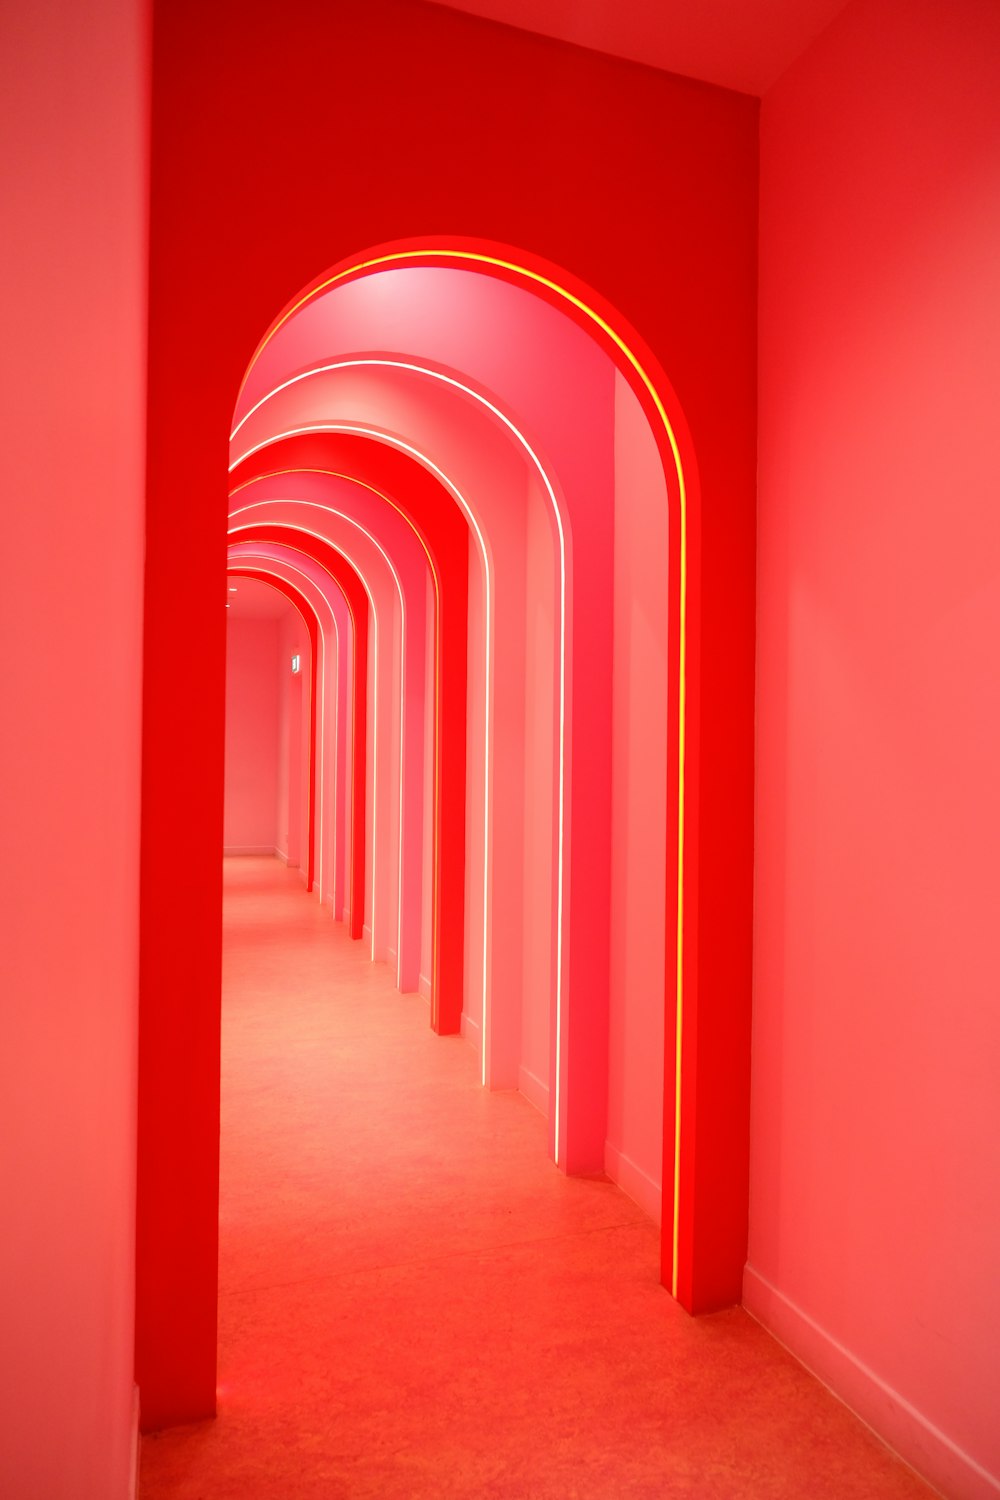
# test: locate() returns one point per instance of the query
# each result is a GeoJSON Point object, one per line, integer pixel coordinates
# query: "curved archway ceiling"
{"type": "Point", "coordinates": [476, 458]}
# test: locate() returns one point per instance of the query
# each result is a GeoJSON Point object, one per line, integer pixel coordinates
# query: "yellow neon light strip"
{"type": "Point", "coordinates": [477, 257]}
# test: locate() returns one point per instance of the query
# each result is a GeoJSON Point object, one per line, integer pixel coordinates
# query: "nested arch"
{"type": "Point", "coordinates": [653, 395]}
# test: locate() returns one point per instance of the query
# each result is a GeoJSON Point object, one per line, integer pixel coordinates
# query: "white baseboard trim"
{"type": "Point", "coordinates": [634, 1182]}
{"type": "Point", "coordinates": [234, 851]}
{"type": "Point", "coordinates": [534, 1090]}
{"type": "Point", "coordinates": [280, 854]}
{"type": "Point", "coordinates": [900, 1426]}
{"type": "Point", "coordinates": [471, 1030]}
{"type": "Point", "coordinates": [133, 1483]}
{"type": "Point", "coordinates": [366, 933]}
{"type": "Point", "coordinates": [424, 987]}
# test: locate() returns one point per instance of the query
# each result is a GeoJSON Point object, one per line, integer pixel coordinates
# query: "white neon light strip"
{"type": "Point", "coordinates": [467, 509]}
{"type": "Point", "coordinates": [333, 511]}
{"type": "Point", "coordinates": [256, 558]}
{"type": "Point", "coordinates": [305, 531]}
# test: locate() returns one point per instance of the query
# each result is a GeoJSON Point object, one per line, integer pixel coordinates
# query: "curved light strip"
{"type": "Point", "coordinates": [333, 511]}
{"type": "Point", "coordinates": [233, 531]}
{"type": "Point", "coordinates": [476, 257]}
{"type": "Point", "coordinates": [551, 494]}
{"type": "Point", "coordinates": [234, 562]}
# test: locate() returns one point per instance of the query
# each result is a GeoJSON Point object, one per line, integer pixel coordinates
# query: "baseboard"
{"type": "Point", "coordinates": [280, 854]}
{"type": "Point", "coordinates": [534, 1090]}
{"type": "Point", "coordinates": [424, 987]}
{"type": "Point", "coordinates": [366, 934]}
{"type": "Point", "coordinates": [471, 1030]}
{"type": "Point", "coordinates": [634, 1182]}
{"type": "Point", "coordinates": [133, 1483]}
{"type": "Point", "coordinates": [235, 850]}
{"type": "Point", "coordinates": [901, 1426]}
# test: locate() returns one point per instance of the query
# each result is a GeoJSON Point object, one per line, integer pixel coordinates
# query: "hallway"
{"type": "Point", "coordinates": [415, 1303]}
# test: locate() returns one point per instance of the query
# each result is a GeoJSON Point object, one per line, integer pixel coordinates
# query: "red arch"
{"type": "Point", "coordinates": [349, 582]}
{"type": "Point", "coordinates": [709, 790]}
{"type": "Point", "coordinates": [710, 719]}
{"type": "Point", "coordinates": [310, 621]}
{"type": "Point", "coordinates": [444, 532]}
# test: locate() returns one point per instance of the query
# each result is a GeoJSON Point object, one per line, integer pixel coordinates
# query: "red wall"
{"type": "Point", "coordinates": [875, 1216]}
{"type": "Point", "coordinates": [73, 97]}
{"type": "Point", "coordinates": [284, 139]}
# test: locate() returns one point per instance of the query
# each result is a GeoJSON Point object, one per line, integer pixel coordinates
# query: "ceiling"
{"type": "Point", "coordinates": [738, 44]}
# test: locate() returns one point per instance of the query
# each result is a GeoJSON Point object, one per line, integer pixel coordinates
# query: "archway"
{"type": "Point", "coordinates": [700, 1229]}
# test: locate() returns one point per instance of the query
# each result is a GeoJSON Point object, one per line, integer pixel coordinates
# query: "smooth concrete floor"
{"type": "Point", "coordinates": [415, 1303]}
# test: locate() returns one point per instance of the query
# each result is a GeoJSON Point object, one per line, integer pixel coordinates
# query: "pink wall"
{"type": "Point", "coordinates": [634, 1146]}
{"type": "Point", "coordinates": [252, 736]}
{"type": "Point", "coordinates": [875, 1215]}
{"type": "Point", "coordinates": [73, 96]}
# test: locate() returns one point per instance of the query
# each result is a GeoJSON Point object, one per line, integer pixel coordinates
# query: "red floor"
{"type": "Point", "coordinates": [414, 1302]}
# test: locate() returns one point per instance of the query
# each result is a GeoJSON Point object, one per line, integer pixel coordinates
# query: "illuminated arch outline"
{"type": "Point", "coordinates": [669, 437]}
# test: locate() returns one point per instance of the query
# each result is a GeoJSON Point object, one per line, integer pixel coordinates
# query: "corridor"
{"type": "Point", "coordinates": [413, 1300]}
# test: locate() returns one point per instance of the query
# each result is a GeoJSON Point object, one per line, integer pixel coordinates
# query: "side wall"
{"type": "Point", "coordinates": [74, 101]}
{"type": "Point", "coordinates": [875, 1216]}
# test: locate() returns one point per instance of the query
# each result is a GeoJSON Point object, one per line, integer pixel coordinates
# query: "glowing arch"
{"type": "Point", "coordinates": [648, 382]}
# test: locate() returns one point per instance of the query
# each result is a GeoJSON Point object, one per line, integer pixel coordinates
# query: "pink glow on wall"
{"type": "Point", "coordinates": [73, 99]}
{"type": "Point", "coordinates": [875, 1216]}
